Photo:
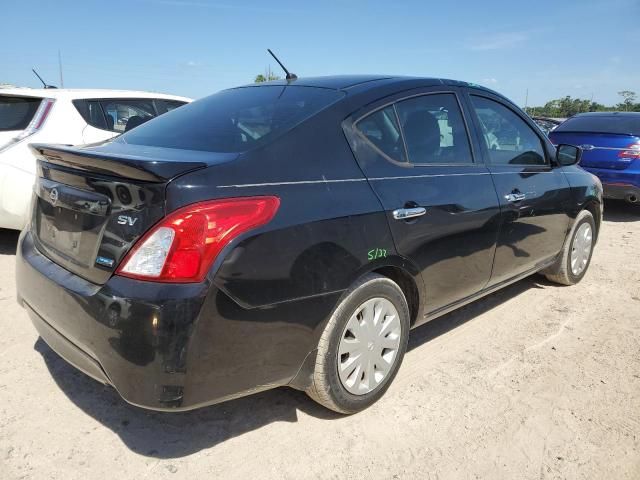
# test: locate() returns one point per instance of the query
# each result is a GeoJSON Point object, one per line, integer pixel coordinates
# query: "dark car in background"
{"type": "Point", "coordinates": [292, 233]}
{"type": "Point", "coordinates": [547, 124]}
{"type": "Point", "coordinates": [611, 149]}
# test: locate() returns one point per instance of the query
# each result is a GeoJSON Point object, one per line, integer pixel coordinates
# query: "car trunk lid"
{"type": "Point", "coordinates": [91, 204]}
{"type": "Point", "coordinates": [599, 150]}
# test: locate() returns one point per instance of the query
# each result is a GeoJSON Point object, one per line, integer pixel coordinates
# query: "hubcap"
{"type": "Point", "coordinates": [369, 346]}
{"type": "Point", "coordinates": [581, 249]}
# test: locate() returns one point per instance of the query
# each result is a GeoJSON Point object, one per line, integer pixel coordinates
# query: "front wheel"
{"type": "Point", "coordinates": [575, 257]}
{"type": "Point", "coordinates": [362, 346]}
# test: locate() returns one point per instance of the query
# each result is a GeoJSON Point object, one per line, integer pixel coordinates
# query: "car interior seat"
{"type": "Point", "coordinates": [133, 122]}
{"type": "Point", "coordinates": [422, 134]}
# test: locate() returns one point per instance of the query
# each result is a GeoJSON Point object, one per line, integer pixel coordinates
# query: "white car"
{"type": "Point", "coordinates": [66, 116]}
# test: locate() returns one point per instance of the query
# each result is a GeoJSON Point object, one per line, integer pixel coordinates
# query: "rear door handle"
{"type": "Point", "coordinates": [406, 213]}
{"type": "Point", "coordinates": [515, 197]}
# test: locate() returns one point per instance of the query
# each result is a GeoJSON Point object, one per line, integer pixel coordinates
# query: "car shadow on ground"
{"type": "Point", "coordinates": [174, 435]}
{"type": "Point", "coordinates": [441, 325]}
{"type": "Point", "coordinates": [8, 241]}
{"type": "Point", "coordinates": [620, 211]}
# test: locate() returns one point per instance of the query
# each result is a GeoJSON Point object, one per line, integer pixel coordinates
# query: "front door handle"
{"type": "Point", "coordinates": [515, 197]}
{"type": "Point", "coordinates": [406, 213]}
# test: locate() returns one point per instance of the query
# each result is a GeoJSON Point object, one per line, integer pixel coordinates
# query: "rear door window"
{"type": "Point", "coordinates": [508, 138]}
{"type": "Point", "coordinates": [434, 130]}
{"type": "Point", "coordinates": [95, 115]}
{"type": "Point", "coordinates": [172, 104]}
{"type": "Point", "coordinates": [17, 112]}
{"type": "Point", "coordinates": [234, 120]}
{"type": "Point", "coordinates": [163, 106]}
{"type": "Point", "coordinates": [124, 114]}
{"type": "Point", "coordinates": [114, 114]}
{"type": "Point", "coordinates": [91, 112]}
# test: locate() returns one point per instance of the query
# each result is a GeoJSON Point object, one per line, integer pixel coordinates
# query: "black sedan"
{"type": "Point", "coordinates": [292, 233]}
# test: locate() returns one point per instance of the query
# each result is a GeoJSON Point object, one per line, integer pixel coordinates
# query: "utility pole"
{"type": "Point", "coordinates": [526, 101]}
{"type": "Point", "coordinates": [60, 68]}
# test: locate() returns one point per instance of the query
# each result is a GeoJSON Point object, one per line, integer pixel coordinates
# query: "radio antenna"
{"type": "Point", "coordinates": [44, 84]}
{"type": "Point", "coordinates": [290, 76]}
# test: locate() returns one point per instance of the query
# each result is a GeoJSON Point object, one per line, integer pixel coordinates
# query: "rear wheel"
{"type": "Point", "coordinates": [575, 257]}
{"type": "Point", "coordinates": [362, 346]}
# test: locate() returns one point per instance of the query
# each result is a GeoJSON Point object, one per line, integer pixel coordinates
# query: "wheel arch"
{"type": "Point", "coordinates": [410, 284]}
{"type": "Point", "coordinates": [594, 207]}
{"type": "Point", "coordinates": [397, 269]}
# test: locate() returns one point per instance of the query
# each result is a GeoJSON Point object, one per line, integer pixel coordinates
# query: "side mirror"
{"type": "Point", "coordinates": [567, 155]}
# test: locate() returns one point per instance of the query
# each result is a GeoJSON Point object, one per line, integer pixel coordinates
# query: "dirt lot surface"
{"type": "Point", "coordinates": [536, 381]}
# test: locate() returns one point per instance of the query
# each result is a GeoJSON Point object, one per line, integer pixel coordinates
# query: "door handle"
{"type": "Point", "coordinates": [515, 197]}
{"type": "Point", "coordinates": [406, 213]}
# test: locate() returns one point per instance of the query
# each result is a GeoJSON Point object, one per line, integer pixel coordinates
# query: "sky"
{"type": "Point", "coordinates": [586, 49]}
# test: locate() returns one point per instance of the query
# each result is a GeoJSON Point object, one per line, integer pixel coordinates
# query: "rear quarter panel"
{"type": "Point", "coordinates": [276, 287]}
{"type": "Point", "coordinates": [329, 229]}
{"type": "Point", "coordinates": [586, 192]}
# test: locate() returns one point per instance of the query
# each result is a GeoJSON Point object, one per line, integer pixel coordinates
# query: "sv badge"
{"type": "Point", "coordinates": [126, 220]}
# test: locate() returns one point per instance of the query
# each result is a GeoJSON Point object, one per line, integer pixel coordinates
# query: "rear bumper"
{"type": "Point", "coordinates": [622, 192]}
{"type": "Point", "coordinates": [66, 349]}
{"type": "Point", "coordinates": [164, 346]}
{"type": "Point", "coordinates": [120, 333]}
{"type": "Point", "coordinates": [619, 184]}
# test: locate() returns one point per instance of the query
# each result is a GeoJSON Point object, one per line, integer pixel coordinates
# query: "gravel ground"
{"type": "Point", "coordinates": [536, 381]}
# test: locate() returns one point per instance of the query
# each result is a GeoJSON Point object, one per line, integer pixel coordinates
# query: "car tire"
{"type": "Point", "coordinates": [564, 271]}
{"type": "Point", "coordinates": [352, 330]}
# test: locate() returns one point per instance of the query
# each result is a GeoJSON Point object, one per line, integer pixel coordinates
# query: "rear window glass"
{"type": "Point", "coordinates": [17, 112]}
{"type": "Point", "coordinates": [616, 124]}
{"type": "Point", "coordinates": [233, 120]}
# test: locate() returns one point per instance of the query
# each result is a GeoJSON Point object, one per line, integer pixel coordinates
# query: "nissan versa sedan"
{"type": "Point", "coordinates": [292, 233]}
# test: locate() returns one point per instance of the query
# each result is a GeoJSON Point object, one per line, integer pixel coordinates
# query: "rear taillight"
{"type": "Point", "coordinates": [183, 246]}
{"type": "Point", "coordinates": [37, 122]}
{"type": "Point", "coordinates": [632, 152]}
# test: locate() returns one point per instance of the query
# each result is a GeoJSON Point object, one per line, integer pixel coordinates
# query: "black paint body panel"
{"type": "Point", "coordinates": [255, 321]}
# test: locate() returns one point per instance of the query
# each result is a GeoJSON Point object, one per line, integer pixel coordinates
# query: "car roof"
{"type": "Point", "coordinates": [370, 84]}
{"type": "Point", "coordinates": [86, 93]}
{"type": "Point", "coordinates": [346, 82]}
{"type": "Point", "coordinates": [551, 119]}
{"type": "Point", "coordinates": [609, 114]}
{"type": "Point", "coordinates": [336, 82]}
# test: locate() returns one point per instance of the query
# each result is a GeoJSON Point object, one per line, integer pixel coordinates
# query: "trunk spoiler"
{"type": "Point", "coordinates": [136, 162]}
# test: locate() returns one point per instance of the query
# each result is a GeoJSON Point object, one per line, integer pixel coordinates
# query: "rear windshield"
{"type": "Point", "coordinates": [17, 112]}
{"type": "Point", "coordinates": [233, 120]}
{"type": "Point", "coordinates": [616, 124]}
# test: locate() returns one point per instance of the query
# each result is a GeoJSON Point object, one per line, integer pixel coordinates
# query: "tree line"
{"type": "Point", "coordinates": [568, 106]}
